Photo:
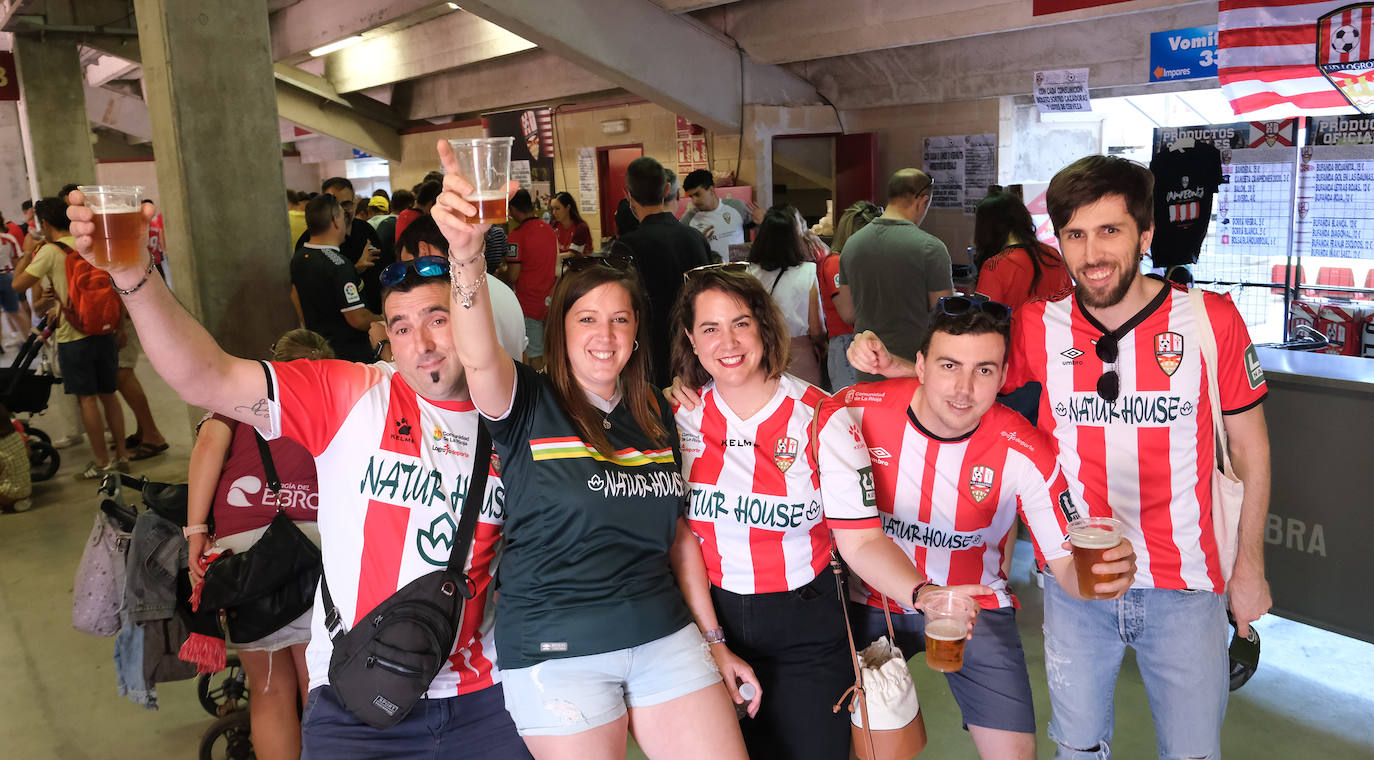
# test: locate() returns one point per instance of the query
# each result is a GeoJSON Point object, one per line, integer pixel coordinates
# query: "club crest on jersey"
{"type": "Point", "coordinates": [980, 481]}
{"type": "Point", "coordinates": [1169, 351]}
{"type": "Point", "coordinates": [785, 453]}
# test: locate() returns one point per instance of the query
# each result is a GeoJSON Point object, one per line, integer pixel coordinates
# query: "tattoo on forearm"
{"type": "Point", "coordinates": [258, 408]}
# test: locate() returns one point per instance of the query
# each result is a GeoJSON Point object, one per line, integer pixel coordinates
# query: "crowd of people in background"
{"type": "Point", "coordinates": [680, 425]}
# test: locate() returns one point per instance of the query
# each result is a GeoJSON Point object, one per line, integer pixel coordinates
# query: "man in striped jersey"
{"type": "Point", "coordinates": [395, 447]}
{"type": "Point", "coordinates": [951, 470]}
{"type": "Point", "coordinates": [1126, 401]}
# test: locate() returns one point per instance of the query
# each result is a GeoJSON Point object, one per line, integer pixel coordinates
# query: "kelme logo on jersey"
{"type": "Point", "coordinates": [785, 453]}
{"type": "Point", "coordinates": [980, 482]}
{"type": "Point", "coordinates": [1169, 351]}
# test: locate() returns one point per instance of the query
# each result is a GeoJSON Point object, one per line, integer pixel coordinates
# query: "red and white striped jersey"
{"type": "Point", "coordinates": [394, 469]}
{"type": "Point", "coordinates": [951, 504]}
{"type": "Point", "coordinates": [755, 490]}
{"type": "Point", "coordinates": [1145, 459]}
{"type": "Point", "coordinates": [1184, 212]}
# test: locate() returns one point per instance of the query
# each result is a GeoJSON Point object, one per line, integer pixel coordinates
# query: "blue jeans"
{"type": "Point", "coordinates": [837, 363]}
{"type": "Point", "coordinates": [469, 726]}
{"type": "Point", "coordinates": [1180, 640]}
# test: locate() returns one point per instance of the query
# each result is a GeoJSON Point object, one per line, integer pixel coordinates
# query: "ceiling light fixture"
{"type": "Point", "coordinates": [333, 46]}
{"type": "Point", "coordinates": [454, 7]}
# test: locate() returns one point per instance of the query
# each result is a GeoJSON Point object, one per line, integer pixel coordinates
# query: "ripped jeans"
{"type": "Point", "coordinates": [1180, 640]}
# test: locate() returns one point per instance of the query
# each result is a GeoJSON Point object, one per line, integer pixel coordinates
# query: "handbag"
{"type": "Point", "coordinates": [98, 590]}
{"type": "Point", "coordinates": [1227, 490]}
{"type": "Point", "coordinates": [273, 582]}
{"type": "Point", "coordinates": [885, 715]}
{"type": "Point", "coordinates": [383, 665]}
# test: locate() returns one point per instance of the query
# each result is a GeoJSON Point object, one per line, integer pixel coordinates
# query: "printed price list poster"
{"type": "Point", "coordinates": [943, 160]}
{"type": "Point", "coordinates": [1336, 202]}
{"type": "Point", "coordinates": [1255, 207]}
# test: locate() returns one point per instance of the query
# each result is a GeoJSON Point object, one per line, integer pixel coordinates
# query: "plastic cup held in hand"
{"type": "Point", "coordinates": [485, 162]}
{"type": "Point", "coordinates": [121, 233]}
{"type": "Point", "coordinates": [948, 616]}
{"type": "Point", "coordinates": [1090, 537]}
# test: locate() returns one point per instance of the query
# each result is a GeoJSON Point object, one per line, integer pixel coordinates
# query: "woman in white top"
{"type": "Point", "coordinates": [777, 260]}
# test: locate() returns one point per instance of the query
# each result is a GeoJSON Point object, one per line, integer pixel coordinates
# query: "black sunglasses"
{"type": "Point", "coordinates": [425, 266]}
{"type": "Point", "coordinates": [1109, 385]}
{"type": "Point", "coordinates": [955, 306]}
{"type": "Point", "coordinates": [617, 261]}
{"type": "Point", "coordinates": [725, 266]}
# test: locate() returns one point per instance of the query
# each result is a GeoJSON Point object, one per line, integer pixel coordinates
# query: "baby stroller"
{"type": "Point", "coordinates": [25, 391]}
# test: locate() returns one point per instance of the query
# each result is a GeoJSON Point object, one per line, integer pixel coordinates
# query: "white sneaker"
{"type": "Point", "coordinates": [23, 505]}
{"type": "Point", "coordinates": [70, 441]}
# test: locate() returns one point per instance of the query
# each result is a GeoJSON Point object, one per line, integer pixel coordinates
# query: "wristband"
{"type": "Point", "coordinates": [714, 636]}
{"type": "Point", "coordinates": [916, 592]}
{"type": "Point", "coordinates": [191, 530]}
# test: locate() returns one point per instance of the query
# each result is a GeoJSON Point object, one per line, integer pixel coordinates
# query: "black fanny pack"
{"type": "Point", "coordinates": [385, 663]}
{"type": "Point", "coordinates": [263, 589]}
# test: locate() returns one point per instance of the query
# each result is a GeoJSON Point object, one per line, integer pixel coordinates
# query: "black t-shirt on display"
{"type": "Point", "coordinates": [585, 568]}
{"type": "Point", "coordinates": [1184, 183]}
{"type": "Point", "coordinates": [328, 286]}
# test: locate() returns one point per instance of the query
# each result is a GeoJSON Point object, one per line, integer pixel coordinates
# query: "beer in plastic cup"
{"type": "Point", "coordinates": [948, 614]}
{"type": "Point", "coordinates": [121, 233]}
{"type": "Point", "coordinates": [1090, 538]}
{"type": "Point", "coordinates": [485, 162]}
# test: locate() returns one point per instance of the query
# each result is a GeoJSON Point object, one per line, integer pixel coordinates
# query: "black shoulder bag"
{"type": "Point", "coordinates": [273, 582]}
{"type": "Point", "coordinates": [382, 667]}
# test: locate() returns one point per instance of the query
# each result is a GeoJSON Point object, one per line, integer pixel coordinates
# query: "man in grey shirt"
{"type": "Point", "coordinates": [892, 272]}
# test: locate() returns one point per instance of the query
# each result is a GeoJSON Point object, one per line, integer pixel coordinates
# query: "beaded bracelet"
{"type": "Point", "coordinates": [146, 274]}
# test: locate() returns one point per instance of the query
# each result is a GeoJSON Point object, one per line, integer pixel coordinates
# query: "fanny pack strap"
{"type": "Point", "coordinates": [467, 525]}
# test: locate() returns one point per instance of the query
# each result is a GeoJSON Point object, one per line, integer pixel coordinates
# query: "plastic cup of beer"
{"type": "Point", "coordinates": [1090, 538]}
{"type": "Point", "coordinates": [121, 233]}
{"type": "Point", "coordinates": [948, 616]}
{"type": "Point", "coordinates": [485, 162]}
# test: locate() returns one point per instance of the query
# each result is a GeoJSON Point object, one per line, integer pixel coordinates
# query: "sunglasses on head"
{"type": "Point", "coordinates": [425, 266]}
{"type": "Point", "coordinates": [617, 261]}
{"type": "Point", "coordinates": [1109, 385]}
{"type": "Point", "coordinates": [955, 306]}
{"type": "Point", "coordinates": [726, 266]}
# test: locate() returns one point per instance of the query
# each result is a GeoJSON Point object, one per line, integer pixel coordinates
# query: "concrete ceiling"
{"type": "Point", "coordinates": [422, 61]}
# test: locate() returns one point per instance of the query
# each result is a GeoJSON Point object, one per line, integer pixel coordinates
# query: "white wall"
{"type": "Point", "coordinates": [299, 175]}
{"type": "Point", "coordinates": [14, 176]}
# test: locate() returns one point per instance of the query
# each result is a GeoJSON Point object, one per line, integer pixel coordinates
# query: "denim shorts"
{"type": "Point", "coordinates": [9, 300]}
{"type": "Point", "coordinates": [534, 335]}
{"type": "Point", "coordinates": [576, 694]}
{"type": "Point", "coordinates": [90, 366]}
{"type": "Point", "coordinates": [992, 689]}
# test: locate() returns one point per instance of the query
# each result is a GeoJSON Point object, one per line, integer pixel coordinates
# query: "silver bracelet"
{"type": "Point", "coordinates": [464, 295]}
{"type": "Point", "coordinates": [146, 274]}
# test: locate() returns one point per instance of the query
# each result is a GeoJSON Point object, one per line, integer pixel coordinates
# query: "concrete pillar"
{"type": "Point", "coordinates": [213, 107]}
{"type": "Point", "coordinates": [53, 88]}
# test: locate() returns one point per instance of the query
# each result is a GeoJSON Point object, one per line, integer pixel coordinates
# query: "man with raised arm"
{"type": "Point", "coordinates": [394, 445]}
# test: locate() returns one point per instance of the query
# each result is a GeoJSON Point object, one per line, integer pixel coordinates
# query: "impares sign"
{"type": "Point", "coordinates": [1183, 54]}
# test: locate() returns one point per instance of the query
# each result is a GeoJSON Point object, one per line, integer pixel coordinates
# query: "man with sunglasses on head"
{"type": "Point", "coordinates": [892, 272]}
{"type": "Point", "coordinates": [395, 447]}
{"type": "Point", "coordinates": [1126, 400]}
{"type": "Point", "coordinates": [951, 471]}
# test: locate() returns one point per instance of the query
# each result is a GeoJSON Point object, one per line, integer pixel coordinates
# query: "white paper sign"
{"type": "Point", "coordinates": [943, 159]}
{"type": "Point", "coordinates": [980, 168]}
{"type": "Point", "coordinates": [586, 181]}
{"type": "Point", "coordinates": [1062, 91]}
{"type": "Point", "coordinates": [520, 172]}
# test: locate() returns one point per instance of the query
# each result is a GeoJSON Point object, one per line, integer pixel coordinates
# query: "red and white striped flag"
{"type": "Point", "coordinates": [1271, 54]}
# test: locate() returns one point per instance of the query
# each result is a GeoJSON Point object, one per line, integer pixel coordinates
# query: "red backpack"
{"type": "Point", "coordinates": [92, 305]}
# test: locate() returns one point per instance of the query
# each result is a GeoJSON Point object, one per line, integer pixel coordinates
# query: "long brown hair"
{"type": "Point", "coordinates": [634, 377]}
{"type": "Point", "coordinates": [773, 332]}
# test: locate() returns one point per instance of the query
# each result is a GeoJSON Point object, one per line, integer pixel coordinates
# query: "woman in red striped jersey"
{"type": "Point", "coordinates": [756, 488]}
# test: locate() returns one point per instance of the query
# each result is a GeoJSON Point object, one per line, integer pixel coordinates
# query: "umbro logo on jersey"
{"type": "Point", "coordinates": [879, 455]}
{"type": "Point", "coordinates": [1169, 351]}
{"type": "Point", "coordinates": [980, 481]}
{"type": "Point", "coordinates": [1071, 353]}
{"type": "Point", "coordinates": [785, 453]}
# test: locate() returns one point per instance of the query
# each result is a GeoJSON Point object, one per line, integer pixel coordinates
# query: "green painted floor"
{"type": "Point", "coordinates": [1312, 698]}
